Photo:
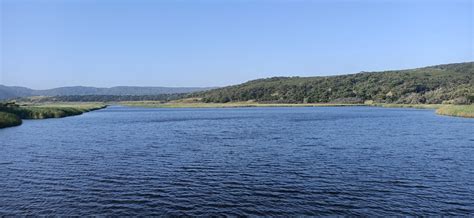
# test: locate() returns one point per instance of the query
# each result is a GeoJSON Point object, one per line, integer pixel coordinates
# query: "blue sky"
{"type": "Point", "coordinates": [52, 43]}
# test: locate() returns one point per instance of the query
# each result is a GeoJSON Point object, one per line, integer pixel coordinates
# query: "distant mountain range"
{"type": "Point", "coordinates": [9, 92]}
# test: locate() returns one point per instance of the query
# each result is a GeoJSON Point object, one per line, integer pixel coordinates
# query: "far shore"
{"type": "Point", "coordinates": [156, 104]}
{"type": "Point", "coordinates": [466, 111]}
{"type": "Point", "coordinates": [12, 116]}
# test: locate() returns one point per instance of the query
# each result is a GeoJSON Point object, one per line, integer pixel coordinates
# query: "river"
{"type": "Point", "coordinates": [240, 161]}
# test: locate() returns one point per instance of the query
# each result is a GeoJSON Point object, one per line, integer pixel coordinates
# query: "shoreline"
{"type": "Point", "coordinates": [465, 111]}
{"type": "Point", "coordinates": [152, 104]}
{"type": "Point", "coordinates": [14, 115]}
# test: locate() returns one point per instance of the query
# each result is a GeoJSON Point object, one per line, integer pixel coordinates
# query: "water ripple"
{"type": "Point", "coordinates": [240, 162]}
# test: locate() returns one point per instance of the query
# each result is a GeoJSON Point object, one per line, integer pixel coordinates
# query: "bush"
{"type": "Point", "coordinates": [461, 101]}
{"type": "Point", "coordinates": [350, 100]}
{"type": "Point", "coordinates": [429, 85]}
{"type": "Point", "coordinates": [8, 120]}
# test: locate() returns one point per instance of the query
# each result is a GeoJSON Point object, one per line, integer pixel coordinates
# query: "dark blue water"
{"type": "Point", "coordinates": [244, 161]}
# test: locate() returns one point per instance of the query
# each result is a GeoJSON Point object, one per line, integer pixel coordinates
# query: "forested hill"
{"type": "Point", "coordinates": [8, 92]}
{"type": "Point", "coordinates": [436, 84]}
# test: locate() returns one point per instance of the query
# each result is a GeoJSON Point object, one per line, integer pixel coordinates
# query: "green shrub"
{"type": "Point", "coordinates": [429, 85]}
{"type": "Point", "coordinates": [8, 120]}
{"type": "Point", "coordinates": [42, 112]}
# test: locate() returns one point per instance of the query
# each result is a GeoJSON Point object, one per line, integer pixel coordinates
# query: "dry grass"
{"type": "Point", "coordinates": [55, 110]}
{"type": "Point", "coordinates": [457, 110]}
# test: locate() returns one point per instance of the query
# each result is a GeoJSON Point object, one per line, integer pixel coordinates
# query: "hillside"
{"type": "Point", "coordinates": [8, 92]}
{"type": "Point", "coordinates": [436, 84]}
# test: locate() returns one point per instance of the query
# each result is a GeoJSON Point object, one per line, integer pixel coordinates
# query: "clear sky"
{"type": "Point", "coordinates": [52, 43]}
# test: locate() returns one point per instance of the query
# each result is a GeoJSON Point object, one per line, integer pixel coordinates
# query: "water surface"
{"type": "Point", "coordinates": [240, 161]}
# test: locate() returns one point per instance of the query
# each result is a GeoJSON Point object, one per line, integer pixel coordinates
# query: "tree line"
{"type": "Point", "coordinates": [451, 83]}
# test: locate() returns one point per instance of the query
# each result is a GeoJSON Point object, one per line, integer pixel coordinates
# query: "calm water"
{"type": "Point", "coordinates": [244, 161]}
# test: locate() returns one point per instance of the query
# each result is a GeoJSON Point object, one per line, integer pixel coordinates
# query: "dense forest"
{"type": "Point", "coordinates": [449, 83]}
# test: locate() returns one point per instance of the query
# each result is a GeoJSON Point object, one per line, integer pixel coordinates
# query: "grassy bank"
{"type": "Point", "coordinates": [8, 120]}
{"type": "Point", "coordinates": [51, 111]}
{"type": "Point", "coordinates": [42, 111]}
{"type": "Point", "coordinates": [457, 110]}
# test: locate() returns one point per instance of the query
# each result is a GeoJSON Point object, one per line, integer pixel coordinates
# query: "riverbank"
{"type": "Point", "coordinates": [466, 111]}
{"type": "Point", "coordinates": [11, 115]}
{"type": "Point", "coordinates": [156, 104]}
{"type": "Point", "coordinates": [9, 120]}
{"type": "Point", "coordinates": [457, 110]}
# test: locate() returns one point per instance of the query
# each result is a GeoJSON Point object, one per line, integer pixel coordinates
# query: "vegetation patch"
{"type": "Point", "coordinates": [441, 84]}
{"type": "Point", "coordinates": [9, 119]}
{"type": "Point", "coordinates": [46, 111]}
{"type": "Point", "coordinates": [457, 110]}
{"type": "Point", "coordinates": [12, 113]}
